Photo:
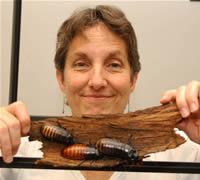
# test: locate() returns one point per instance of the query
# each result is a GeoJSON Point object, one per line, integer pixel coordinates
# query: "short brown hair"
{"type": "Point", "coordinates": [112, 17]}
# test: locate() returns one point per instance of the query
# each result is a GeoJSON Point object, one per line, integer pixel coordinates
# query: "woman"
{"type": "Point", "coordinates": [97, 66]}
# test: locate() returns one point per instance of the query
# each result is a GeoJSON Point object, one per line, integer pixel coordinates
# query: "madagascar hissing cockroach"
{"type": "Point", "coordinates": [57, 134]}
{"type": "Point", "coordinates": [81, 152]}
{"type": "Point", "coordinates": [113, 147]}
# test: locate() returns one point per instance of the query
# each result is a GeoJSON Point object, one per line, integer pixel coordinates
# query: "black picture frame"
{"type": "Point", "coordinates": [148, 166]}
{"type": "Point", "coordinates": [14, 67]}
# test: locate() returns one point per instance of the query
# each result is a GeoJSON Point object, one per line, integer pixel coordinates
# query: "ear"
{"type": "Point", "coordinates": [60, 80]}
{"type": "Point", "coordinates": [133, 81]}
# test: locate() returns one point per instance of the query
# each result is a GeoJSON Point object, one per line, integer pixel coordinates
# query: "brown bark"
{"type": "Point", "coordinates": [151, 130]}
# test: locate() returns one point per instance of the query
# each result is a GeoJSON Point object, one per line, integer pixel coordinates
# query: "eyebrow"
{"type": "Point", "coordinates": [80, 54]}
{"type": "Point", "coordinates": [115, 53]}
{"type": "Point", "coordinates": [110, 54]}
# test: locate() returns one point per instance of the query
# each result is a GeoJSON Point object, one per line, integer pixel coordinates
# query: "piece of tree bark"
{"type": "Point", "coordinates": [151, 130]}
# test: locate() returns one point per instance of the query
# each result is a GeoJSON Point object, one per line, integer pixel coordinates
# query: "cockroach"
{"type": "Point", "coordinates": [81, 152]}
{"type": "Point", "coordinates": [57, 134]}
{"type": "Point", "coordinates": [113, 147]}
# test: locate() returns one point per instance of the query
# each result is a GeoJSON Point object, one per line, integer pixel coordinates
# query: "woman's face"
{"type": "Point", "coordinates": [97, 73]}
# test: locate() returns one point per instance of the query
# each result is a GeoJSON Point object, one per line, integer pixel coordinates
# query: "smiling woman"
{"type": "Point", "coordinates": [97, 61]}
{"type": "Point", "coordinates": [97, 80]}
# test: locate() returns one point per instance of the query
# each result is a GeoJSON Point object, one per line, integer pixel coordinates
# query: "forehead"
{"type": "Point", "coordinates": [99, 31]}
{"type": "Point", "coordinates": [96, 38]}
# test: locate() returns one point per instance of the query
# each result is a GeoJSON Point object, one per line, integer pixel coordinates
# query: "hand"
{"type": "Point", "coordinates": [14, 123]}
{"type": "Point", "coordinates": [188, 102]}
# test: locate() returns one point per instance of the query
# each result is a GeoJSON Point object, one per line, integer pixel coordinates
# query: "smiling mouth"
{"type": "Point", "coordinates": [97, 97]}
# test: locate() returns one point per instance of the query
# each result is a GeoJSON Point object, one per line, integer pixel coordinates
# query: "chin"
{"type": "Point", "coordinates": [94, 112]}
{"type": "Point", "coordinates": [99, 111]}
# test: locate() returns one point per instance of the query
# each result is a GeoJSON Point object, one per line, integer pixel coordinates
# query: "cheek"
{"type": "Point", "coordinates": [122, 85]}
{"type": "Point", "coordinates": [74, 82]}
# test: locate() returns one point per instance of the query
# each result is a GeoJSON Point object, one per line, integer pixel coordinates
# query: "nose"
{"type": "Point", "coordinates": [97, 79]}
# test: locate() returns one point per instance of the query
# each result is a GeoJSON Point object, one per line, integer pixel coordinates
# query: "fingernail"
{"type": "Point", "coordinates": [184, 112]}
{"type": "Point", "coordinates": [26, 130]}
{"type": "Point", "coordinates": [193, 107]}
{"type": "Point", "coordinates": [163, 98]}
{"type": "Point", "coordinates": [9, 159]}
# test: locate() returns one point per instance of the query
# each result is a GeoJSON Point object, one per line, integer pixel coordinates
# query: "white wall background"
{"type": "Point", "coordinates": [168, 37]}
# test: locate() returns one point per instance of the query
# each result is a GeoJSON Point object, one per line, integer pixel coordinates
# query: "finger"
{"type": "Point", "coordinates": [14, 129]}
{"type": "Point", "coordinates": [168, 96]}
{"type": "Point", "coordinates": [18, 109]}
{"type": "Point", "coordinates": [188, 125]}
{"type": "Point", "coordinates": [182, 102]}
{"type": "Point", "coordinates": [182, 125]}
{"type": "Point", "coordinates": [6, 147]}
{"type": "Point", "coordinates": [192, 96]}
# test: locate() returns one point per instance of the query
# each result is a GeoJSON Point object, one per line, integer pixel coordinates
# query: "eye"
{"type": "Point", "coordinates": [114, 65]}
{"type": "Point", "coordinates": [80, 64]}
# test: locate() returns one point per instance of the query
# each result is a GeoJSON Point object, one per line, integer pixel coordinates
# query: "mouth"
{"type": "Point", "coordinates": [97, 97]}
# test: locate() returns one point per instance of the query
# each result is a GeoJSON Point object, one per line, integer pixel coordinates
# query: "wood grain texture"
{"type": "Point", "coordinates": [151, 130]}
